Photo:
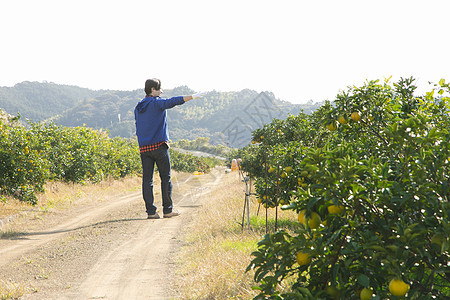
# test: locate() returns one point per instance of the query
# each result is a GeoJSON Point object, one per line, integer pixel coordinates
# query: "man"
{"type": "Point", "coordinates": [153, 137]}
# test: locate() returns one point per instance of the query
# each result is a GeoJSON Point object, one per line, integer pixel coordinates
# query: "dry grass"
{"type": "Point", "coordinates": [11, 290]}
{"type": "Point", "coordinates": [218, 251]}
{"type": "Point", "coordinates": [10, 206]}
{"type": "Point", "coordinates": [61, 195]}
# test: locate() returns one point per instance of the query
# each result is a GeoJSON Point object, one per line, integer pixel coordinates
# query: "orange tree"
{"type": "Point", "coordinates": [81, 154]}
{"type": "Point", "coordinates": [275, 152]}
{"type": "Point", "coordinates": [23, 170]}
{"type": "Point", "coordinates": [30, 156]}
{"type": "Point", "coordinates": [377, 181]}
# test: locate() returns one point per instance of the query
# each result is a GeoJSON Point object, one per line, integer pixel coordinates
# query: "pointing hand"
{"type": "Point", "coordinates": [198, 95]}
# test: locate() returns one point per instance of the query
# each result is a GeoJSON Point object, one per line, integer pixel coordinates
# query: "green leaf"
{"type": "Point", "coordinates": [432, 132]}
{"type": "Point", "coordinates": [363, 280]}
{"type": "Point", "coordinates": [442, 82]}
{"type": "Point", "coordinates": [377, 248]}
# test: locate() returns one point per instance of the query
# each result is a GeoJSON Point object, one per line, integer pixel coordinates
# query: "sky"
{"type": "Point", "coordinates": [298, 50]}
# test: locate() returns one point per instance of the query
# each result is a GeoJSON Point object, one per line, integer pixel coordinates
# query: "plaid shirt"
{"type": "Point", "coordinates": [152, 147]}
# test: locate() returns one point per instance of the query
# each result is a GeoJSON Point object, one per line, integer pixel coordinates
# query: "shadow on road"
{"type": "Point", "coordinates": [28, 235]}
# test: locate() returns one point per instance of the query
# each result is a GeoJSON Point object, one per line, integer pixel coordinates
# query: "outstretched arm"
{"type": "Point", "coordinates": [171, 102]}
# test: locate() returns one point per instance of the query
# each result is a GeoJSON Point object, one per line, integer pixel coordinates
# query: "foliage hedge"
{"type": "Point", "coordinates": [40, 152]}
{"type": "Point", "coordinates": [202, 144]}
{"type": "Point", "coordinates": [191, 163]}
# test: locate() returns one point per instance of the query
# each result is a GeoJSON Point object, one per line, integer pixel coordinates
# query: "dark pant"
{"type": "Point", "coordinates": [161, 157]}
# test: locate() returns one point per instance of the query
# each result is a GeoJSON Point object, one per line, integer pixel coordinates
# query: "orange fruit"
{"type": "Point", "coordinates": [356, 116]}
{"type": "Point", "coordinates": [303, 258]}
{"type": "Point", "coordinates": [342, 119]}
{"type": "Point", "coordinates": [335, 209]}
{"type": "Point", "coordinates": [332, 126]}
{"type": "Point", "coordinates": [313, 221]}
{"type": "Point", "coordinates": [365, 294]}
{"type": "Point", "coordinates": [398, 287]}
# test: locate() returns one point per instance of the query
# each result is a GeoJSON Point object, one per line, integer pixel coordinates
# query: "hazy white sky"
{"type": "Point", "coordinates": [299, 50]}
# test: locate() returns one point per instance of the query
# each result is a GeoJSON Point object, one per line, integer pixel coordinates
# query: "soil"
{"type": "Point", "coordinates": [104, 250]}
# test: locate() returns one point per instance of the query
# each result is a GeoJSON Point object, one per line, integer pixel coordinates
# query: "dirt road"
{"type": "Point", "coordinates": [106, 250]}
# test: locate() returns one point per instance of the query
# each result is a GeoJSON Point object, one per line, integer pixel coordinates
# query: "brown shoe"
{"type": "Point", "coordinates": [154, 216]}
{"type": "Point", "coordinates": [174, 213]}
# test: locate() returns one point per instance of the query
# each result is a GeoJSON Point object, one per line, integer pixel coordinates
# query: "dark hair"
{"type": "Point", "coordinates": [152, 83]}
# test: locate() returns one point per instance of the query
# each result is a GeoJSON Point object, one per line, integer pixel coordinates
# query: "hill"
{"type": "Point", "coordinates": [226, 118]}
{"type": "Point", "coordinates": [39, 101]}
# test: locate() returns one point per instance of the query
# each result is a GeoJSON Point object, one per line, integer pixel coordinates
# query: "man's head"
{"type": "Point", "coordinates": [153, 87]}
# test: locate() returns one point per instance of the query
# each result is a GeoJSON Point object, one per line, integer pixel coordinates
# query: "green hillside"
{"type": "Point", "coordinates": [40, 101]}
{"type": "Point", "coordinates": [226, 118]}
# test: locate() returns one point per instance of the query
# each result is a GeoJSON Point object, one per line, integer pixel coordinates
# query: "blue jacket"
{"type": "Point", "coordinates": [151, 119]}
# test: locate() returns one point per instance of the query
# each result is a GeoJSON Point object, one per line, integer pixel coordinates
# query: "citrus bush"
{"type": "Point", "coordinates": [372, 193]}
{"type": "Point", "coordinates": [33, 155]}
{"type": "Point", "coordinates": [23, 170]}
